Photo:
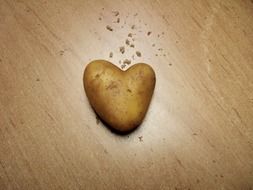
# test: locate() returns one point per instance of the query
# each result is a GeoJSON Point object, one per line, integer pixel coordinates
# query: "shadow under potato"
{"type": "Point", "coordinates": [121, 133]}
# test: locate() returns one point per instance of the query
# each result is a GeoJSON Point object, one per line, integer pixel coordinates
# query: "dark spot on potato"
{"type": "Point", "coordinates": [128, 90]}
{"type": "Point", "coordinates": [97, 76]}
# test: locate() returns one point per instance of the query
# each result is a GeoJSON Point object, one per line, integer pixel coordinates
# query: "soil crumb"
{"type": "Point", "coordinates": [111, 55]}
{"type": "Point", "coordinates": [97, 120]}
{"type": "Point", "coordinates": [109, 28]}
{"type": "Point", "coordinates": [122, 49]}
{"type": "Point", "coordinates": [138, 53]}
{"type": "Point", "coordinates": [116, 13]}
{"type": "Point", "coordinates": [130, 35]}
{"type": "Point", "coordinates": [127, 61]}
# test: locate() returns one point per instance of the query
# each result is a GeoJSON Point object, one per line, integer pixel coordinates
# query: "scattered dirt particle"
{"type": "Point", "coordinates": [123, 66]}
{"type": "Point", "coordinates": [149, 33]}
{"type": "Point", "coordinates": [197, 181]}
{"type": "Point", "coordinates": [133, 27]}
{"type": "Point", "coordinates": [37, 79]}
{"type": "Point", "coordinates": [136, 14]}
{"type": "Point", "coordinates": [97, 120]}
{"type": "Point", "coordinates": [214, 161]}
{"type": "Point", "coordinates": [133, 39]}
{"type": "Point", "coordinates": [111, 55]}
{"type": "Point", "coordinates": [153, 45]}
{"type": "Point", "coordinates": [127, 61]}
{"type": "Point", "coordinates": [221, 176]}
{"type": "Point", "coordinates": [116, 13]}
{"type": "Point", "coordinates": [158, 35]}
{"type": "Point", "coordinates": [99, 18]}
{"type": "Point", "coordinates": [138, 53]}
{"type": "Point", "coordinates": [122, 27]}
{"type": "Point", "coordinates": [156, 55]}
{"type": "Point", "coordinates": [119, 61]}
{"type": "Point", "coordinates": [170, 64]}
{"type": "Point", "coordinates": [132, 45]}
{"type": "Point", "coordinates": [130, 35]}
{"type": "Point", "coordinates": [162, 33]}
{"type": "Point", "coordinates": [160, 49]}
{"type": "Point", "coordinates": [127, 42]}
{"type": "Point", "coordinates": [195, 134]}
{"type": "Point", "coordinates": [146, 24]}
{"type": "Point", "coordinates": [176, 42]}
{"type": "Point", "coordinates": [118, 20]}
{"type": "Point", "coordinates": [61, 52]}
{"type": "Point", "coordinates": [140, 138]}
{"type": "Point", "coordinates": [103, 8]}
{"type": "Point", "coordinates": [122, 49]}
{"type": "Point", "coordinates": [109, 28]}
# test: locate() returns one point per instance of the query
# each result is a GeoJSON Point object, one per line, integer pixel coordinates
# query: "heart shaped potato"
{"type": "Point", "coordinates": [120, 98]}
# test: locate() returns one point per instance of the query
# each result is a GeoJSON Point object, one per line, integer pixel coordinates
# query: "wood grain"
{"type": "Point", "coordinates": [198, 133]}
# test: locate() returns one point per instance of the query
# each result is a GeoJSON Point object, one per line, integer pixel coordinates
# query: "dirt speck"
{"type": "Point", "coordinates": [170, 64]}
{"type": "Point", "coordinates": [37, 79]}
{"type": "Point", "coordinates": [198, 181]}
{"type": "Point", "coordinates": [99, 18]}
{"type": "Point", "coordinates": [132, 45]}
{"type": "Point", "coordinates": [140, 138]}
{"type": "Point", "coordinates": [116, 13]}
{"type": "Point", "coordinates": [133, 27]}
{"type": "Point", "coordinates": [118, 20]}
{"type": "Point", "coordinates": [123, 66]}
{"type": "Point", "coordinates": [138, 53]}
{"type": "Point", "coordinates": [111, 55]}
{"type": "Point", "coordinates": [153, 45]}
{"type": "Point", "coordinates": [127, 61]}
{"type": "Point", "coordinates": [97, 120]}
{"type": "Point", "coordinates": [194, 134]}
{"type": "Point", "coordinates": [130, 35]}
{"type": "Point", "coordinates": [136, 14]}
{"type": "Point", "coordinates": [61, 52]}
{"type": "Point", "coordinates": [122, 49]}
{"type": "Point", "coordinates": [214, 161]}
{"type": "Point", "coordinates": [109, 28]}
{"type": "Point", "coordinates": [127, 42]}
{"type": "Point", "coordinates": [149, 33]}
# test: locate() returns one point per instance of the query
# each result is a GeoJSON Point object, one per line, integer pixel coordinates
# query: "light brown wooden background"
{"type": "Point", "coordinates": [198, 133]}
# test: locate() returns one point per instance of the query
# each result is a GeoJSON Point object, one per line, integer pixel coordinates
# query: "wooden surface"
{"type": "Point", "coordinates": [198, 133]}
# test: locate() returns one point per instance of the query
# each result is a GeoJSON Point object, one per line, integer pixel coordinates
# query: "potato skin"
{"type": "Point", "coordinates": [120, 98]}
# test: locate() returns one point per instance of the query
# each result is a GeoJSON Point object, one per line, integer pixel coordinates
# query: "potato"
{"type": "Point", "coordinates": [120, 98]}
